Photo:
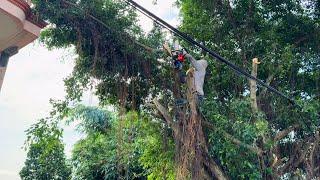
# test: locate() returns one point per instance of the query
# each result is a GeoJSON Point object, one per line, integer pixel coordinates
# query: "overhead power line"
{"type": "Point", "coordinates": [206, 49]}
{"type": "Point", "coordinates": [190, 40]}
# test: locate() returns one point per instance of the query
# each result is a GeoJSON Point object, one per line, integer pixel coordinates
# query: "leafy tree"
{"type": "Point", "coordinates": [272, 141]}
{"type": "Point", "coordinates": [45, 158]}
{"type": "Point", "coordinates": [92, 119]}
{"type": "Point", "coordinates": [96, 156]}
{"type": "Point", "coordinates": [108, 49]}
{"type": "Point", "coordinates": [156, 145]}
{"type": "Point", "coordinates": [284, 35]}
{"type": "Point", "coordinates": [146, 152]}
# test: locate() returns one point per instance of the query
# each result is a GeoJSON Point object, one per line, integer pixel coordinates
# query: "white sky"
{"type": "Point", "coordinates": [36, 75]}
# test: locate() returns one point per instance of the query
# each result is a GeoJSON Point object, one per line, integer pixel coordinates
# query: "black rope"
{"type": "Point", "coordinates": [187, 38]}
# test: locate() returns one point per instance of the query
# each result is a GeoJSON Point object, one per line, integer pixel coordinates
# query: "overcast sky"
{"type": "Point", "coordinates": [36, 75]}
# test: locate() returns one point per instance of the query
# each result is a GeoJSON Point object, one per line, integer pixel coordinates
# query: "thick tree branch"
{"type": "Point", "coordinates": [285, 132]}
{"type": "Point", "coordinates": [234, 140]}
{"type": "Point", "coordinates": [253, 86]}
{"type": "Point", "coordinates": [300, 40]}
{"type": "Point", "coordinates": [164, 113]}
{"type": "Point", "coordinates": [311, 160]}
{"type": "Point", "coordinates": [297, 156]}
{"type": "Point", "coordinates": [214, 167]}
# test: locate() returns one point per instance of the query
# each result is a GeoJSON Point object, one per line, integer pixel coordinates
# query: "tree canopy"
{"type": "Point", "coordinates": [45, 158]}
{"type": "Point", "coordinates": [239, 132]}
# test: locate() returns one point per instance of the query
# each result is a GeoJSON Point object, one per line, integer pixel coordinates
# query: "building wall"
{"type": "Point", "coordinates": [18, 28]}
{"type": "Point", "coordinates": [3, 67]}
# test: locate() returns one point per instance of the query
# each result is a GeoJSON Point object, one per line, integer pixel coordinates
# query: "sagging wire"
{"type": "Point", "coordinates": [193, 42]}
{"type": "Point", "coordinates": [216, 56]}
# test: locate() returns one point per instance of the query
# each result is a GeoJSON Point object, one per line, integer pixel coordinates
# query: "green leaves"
{"type": "Point", "coordinates": [105, 35]}
{"type": "Point", "coordinates": [45, 158]}
{"type": "Point", "coordinates": [94, 157]}
{"type": "Point", "coordinates": [135, 145]}
{"type": "Point", "coordinates": [92, 119]}
{"type": "Point", "coordinates": [157, 150]}
{"type": "Point", "coordinates": [284, 35]}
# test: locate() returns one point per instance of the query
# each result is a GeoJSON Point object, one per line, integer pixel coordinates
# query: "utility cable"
{"type": "Point", "coordinates": [213, 54]}
{"type": "Point", "coordinates": [190, 40]}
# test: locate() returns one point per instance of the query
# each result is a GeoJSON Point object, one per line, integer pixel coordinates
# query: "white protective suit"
{"type": "Point", "coordinates": [200, 67]}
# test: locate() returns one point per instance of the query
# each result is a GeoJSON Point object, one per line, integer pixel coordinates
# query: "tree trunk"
{"type": "Point", "coordinates": [267, 158]}
{"type": "Point", "coordinates": [253, 86]}
{"type": "Point", "coordinates": [193, 160]}
{"type": "Point", "coordinates": [191, 150]}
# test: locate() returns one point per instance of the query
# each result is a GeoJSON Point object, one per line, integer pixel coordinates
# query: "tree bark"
{"type": "Point", "coordinates": [191, 150]}
{"type": "Point", "coordinates": [253, 86]}
{"type": "Point", "coordinates": [193, 158]}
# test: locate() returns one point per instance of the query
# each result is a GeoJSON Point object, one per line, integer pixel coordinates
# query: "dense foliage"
{"type": "Point", "coordinates": [284, 35]}
{"type": "Point", "coordinates": [45, 158]}
{"type": "Point", "coordinates": [274, 140]}
{"type": "Point", "coordinates": [108, 49]}
{"type": "Point", "coordinates": [144, 153]}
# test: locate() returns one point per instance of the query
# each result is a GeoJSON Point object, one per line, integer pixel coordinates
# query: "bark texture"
{"type": "Point", "coordinates": [192, 156]}
{"type": "Point", "coordinates": [253, 86]}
